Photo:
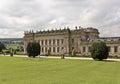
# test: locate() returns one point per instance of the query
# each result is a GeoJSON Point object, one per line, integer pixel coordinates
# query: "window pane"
{"type": "Point", "coordinates": [84, 49]}
{"type": "Point", "coordinates": [115, 49]}
{"type": "Point", "coordinates": [62, 41]}
{"type": "Point", "coordinates": [109, 49]}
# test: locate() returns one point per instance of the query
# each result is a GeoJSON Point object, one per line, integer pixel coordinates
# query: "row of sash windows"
{"type": "Point", "coordinates": [52, 49]}
{"type": "Point", "coordinates": [51, 42]}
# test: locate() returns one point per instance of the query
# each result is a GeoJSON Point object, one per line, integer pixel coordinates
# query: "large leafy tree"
{"type": "Point", "coordinates": [33, 49]}
{"type": "Point", "coordinates": [2, 46]}
{"type": "Point", "coordinates": [99, 51]}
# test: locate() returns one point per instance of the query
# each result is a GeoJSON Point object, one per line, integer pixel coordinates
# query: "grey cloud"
{"type": "Point", "coordinates": [20, 15]}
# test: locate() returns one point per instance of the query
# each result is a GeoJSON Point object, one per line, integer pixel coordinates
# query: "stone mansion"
{"type": "Point", "coordinates": [66, 39]}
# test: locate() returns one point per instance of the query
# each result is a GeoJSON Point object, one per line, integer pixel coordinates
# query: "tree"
{"type": "Point", "coordinates": [49, 52]}
{"type": "Point", "coordinates": [33, 49]}
{"type": "Point", "coordinates": [20, 48]}
{"type": "Point", "coordinates": [2, 46]}
{"type": "Point", "coordinates": [99, 51]}
{"type": "Point", "coordinates": [11, 52]}
{"type": "Point", "coordinates": [73, 52]}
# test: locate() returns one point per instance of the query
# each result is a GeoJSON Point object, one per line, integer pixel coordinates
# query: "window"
{"type": "Point", "coordinates": [41, 42]}
{"type": "Point", "coordinates": [72, 40]}
{"type": "Point", "coordinates": [62, 48]}
{"type": "Point", "coordinates": [53, 41]}
{"type": "Point", "coordinates": [109, 49]}
{"type": "Point", "coordinates": [115, 49]}
{"type": "Point", "coordinates": [45, 42]}
{"type": "Point", "coordinates": [53, 49]}
{"type": "Point", "coordinates": [62, 41]}
{"type": "Point", "coordinates": [84, 49]}
{"type": "Point", "coordinates": [58, 49]}
{"type": "Point", "coordinates": [57, 41]}
{"type": "Point", "coordinates": [45, 49]}
{"type": "Point", "coordinates": [49, 42]}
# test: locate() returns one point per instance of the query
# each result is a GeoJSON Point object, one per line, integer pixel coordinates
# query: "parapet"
{"type": "Point", "coordinates": [91, 29]}
{"type": "Point", "coordinates": [47, 32]}
{"type": "Point", "coordinates": [65, 30]}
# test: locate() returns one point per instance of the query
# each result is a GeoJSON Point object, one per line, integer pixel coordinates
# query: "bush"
{"type": "Point", "coordinates": [20, 48]}
{"type": "Point", "coordinates": [2, 46]}
{"type": "Point", "coordinates": [99, 51]}
{"type": "Point", "coordinates": [7, 51]}
{"type": "Point", "coordinates": [33, 49]}
{"type": "Point", "coordinates": [73, 53]}
{"type": "Point", "coordinates": [11, 52]}
{"type": "Point", "coordinates": [49, 52]}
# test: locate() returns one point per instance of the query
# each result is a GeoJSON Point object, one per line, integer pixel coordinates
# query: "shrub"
{"type": "Point", "coordinates": [99, 51]}
{"type": "Point", "coordinates": [7, 51]}
{"type": "Point", "coordinates": [49, 52]}
{"type": "Point", "coordinates": [73, 53]}
{"type": "Point", "coordinates": [20, 48]}
{"type": "Point", "coordinates": [33, 49]}
{"type": "Point", "coordinates": [11, 52]}
{"type": "Point", "coordinates": [2, 46]}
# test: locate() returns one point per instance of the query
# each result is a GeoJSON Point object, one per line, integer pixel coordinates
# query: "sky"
{"type": "Point", "coordinates": [17, 16]}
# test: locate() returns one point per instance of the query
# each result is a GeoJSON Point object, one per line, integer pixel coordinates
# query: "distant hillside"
{"type": "Point", "coordinates": [11, 40]}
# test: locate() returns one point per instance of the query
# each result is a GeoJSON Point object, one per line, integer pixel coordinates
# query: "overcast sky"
{"type": "Point", "coordinates": [17, 16]}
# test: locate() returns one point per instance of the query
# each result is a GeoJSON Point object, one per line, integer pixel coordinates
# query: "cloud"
{"type": "Point", "coordinates": [21, 15]}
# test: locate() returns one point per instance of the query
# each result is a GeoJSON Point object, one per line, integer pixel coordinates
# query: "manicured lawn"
{"type": "Point", "coordinates": [57, 71]}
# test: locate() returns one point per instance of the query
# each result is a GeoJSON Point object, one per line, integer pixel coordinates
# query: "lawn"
{"type": "Point", "coordinates": [57, 71]}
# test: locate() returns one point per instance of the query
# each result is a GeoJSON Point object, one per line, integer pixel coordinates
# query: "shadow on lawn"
{"type": "Point", "coordinates": [110, 61]}
{"type": "Point", "coordinates": [35, 59]}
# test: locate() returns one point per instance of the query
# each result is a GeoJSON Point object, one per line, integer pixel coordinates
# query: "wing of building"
{"type": "Point", "coordinates": [79, 39]}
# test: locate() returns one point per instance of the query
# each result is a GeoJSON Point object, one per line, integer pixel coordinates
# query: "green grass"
{"type": "Point", "coordinates": [57, 71]}
{"type": "Point", "coordinates": [20, 53]}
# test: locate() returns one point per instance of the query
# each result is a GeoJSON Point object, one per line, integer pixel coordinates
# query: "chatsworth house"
{"type": "Point", "coordinates": [66, 39]}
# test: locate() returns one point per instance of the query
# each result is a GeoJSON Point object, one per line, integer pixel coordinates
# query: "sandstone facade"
{"type": "Point", "coordinates": [65, 39]}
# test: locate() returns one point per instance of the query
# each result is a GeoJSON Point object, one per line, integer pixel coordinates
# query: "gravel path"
{"type": "Point", "coordinates": [81, 58]}
{"type": "Point", "coordinates": [56, 57]}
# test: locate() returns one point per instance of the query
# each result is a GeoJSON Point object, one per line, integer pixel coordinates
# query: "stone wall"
{"type": "Point", "coordinates": [79, 39]}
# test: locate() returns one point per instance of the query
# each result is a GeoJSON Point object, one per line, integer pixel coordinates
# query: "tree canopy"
{"type": "Point", "coordinates": [2, 46]}
{"type": "Point", "coordinates": [33, 49]}
{"type": "Point", "coordinates": [99, 51]}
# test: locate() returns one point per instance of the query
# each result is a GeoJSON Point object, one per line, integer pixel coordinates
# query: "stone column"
{"type": "Point", "coordinates": [67, 45]}
{"type": "Point", "coordinates": [87, 49]}
{"type": "Point", "coordinates": [119, 50]}
{"type": "Point", "coordinates": [26, 41]}
{"type": "Point", "coordinates": [112, 50]}
{"type": "Point", "coordinates": [77, 44]}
